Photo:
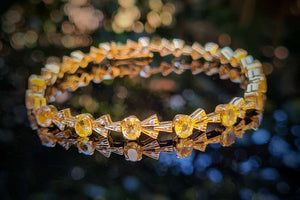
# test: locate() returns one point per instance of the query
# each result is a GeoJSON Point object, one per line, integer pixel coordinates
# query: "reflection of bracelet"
{"type": "Point", "coordinates": [111, 60]}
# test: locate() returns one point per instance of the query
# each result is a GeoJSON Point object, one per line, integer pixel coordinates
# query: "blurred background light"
{"type": "Point", "coordinates": [280, 115]}
{"type": "Point", "coordinates": [270, 174]}
{"type": "Point", "coordinates": [246, 194]}
{"type": "Point", "coordinates": [295, 130]}
{"type": "Point", "coordinates": [202, 162]}
{"type": "Point", "coordinates": [130, 183]}
{"type": "Point", "coordinates": [94, 191]}
{"type": "Point", "coordinates": [77, 173]}
{"type": "Point", "coordinates": [278, 147]}
{"type": "Point", "coordinates": [214, 175]}
{"type": "Point", "coordinates": [260, 136]}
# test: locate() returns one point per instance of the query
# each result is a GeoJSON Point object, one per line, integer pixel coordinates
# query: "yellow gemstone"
{"type": "Point", "coordinates": [83, 125]}
{"type": "Point", "coordinates": [200, 142]}
{"type": "Point", "coordinates": [47, 137]}
{"type": "Point", "coordinates": [224, 72]}
{"type": "Point", "coordinates": [254, 69]}
{"type": "Point", "coordinates": [211, 47]}
{"type": "Point", "coordinates": [32, 119]}
{"type": "Point", "coordinates": [36, 83]}
{"type": "Point", "coordinates": [260, 83]}
{"type": "Point", "coordinates": [226, 55]}
{"type": "Point", "coordinates": [228, 114]}
{"type": "Point", "coordinates": [239, 104]}
{"type": "Point", "coordinates": [183, 126]}
{"type": "Point", "coordinates": [34, 100]}
{"type": "Point", "coordinates": [255, 100]}
{"type": "Point", "coordinates": [53, 67]}
{"type": "Point", "coordinates": [63, 118]}
{"type": "Point", "coordinates": [131, 127]}
{"type": "Point", "coordinates": [44, 115]}
{"type": "Point", "coordinates": [240, 128]}
{"type": "Point", "coordinates": [85, 146]}
{"type": "Point", "coordinates": [184, 148]}
{"type": "Point", "coordinates": [133, 152]}
{"type": "Point", "coordinates": [227, 137]}
{"type": "Point", "coordinates": [235, 76]}
{"type": "Point", "coordinates": [237, 56]}
{"type": "Point", "coordinates": [255, 122]}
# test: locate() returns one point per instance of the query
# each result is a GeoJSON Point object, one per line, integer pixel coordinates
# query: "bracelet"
{"type": "Point", "coordinates": [112, 60]}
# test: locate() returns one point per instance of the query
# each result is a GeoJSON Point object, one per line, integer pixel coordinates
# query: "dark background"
{"type": "Point", "coordinates": [264, 164]}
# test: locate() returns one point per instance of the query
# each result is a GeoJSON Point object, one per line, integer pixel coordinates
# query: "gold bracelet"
{"type": "Point", "coordinates": [112, 60]}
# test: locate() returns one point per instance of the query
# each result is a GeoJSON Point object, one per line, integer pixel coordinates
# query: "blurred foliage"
{"type": "Point", "coordinates": [264, 164]}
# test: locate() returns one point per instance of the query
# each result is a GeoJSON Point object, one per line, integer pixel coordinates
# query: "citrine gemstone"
{"type": "Point", "coordinates": [235, 76]}
{"type": "Point", "coordinates": [85, 146]}
{"type": "Point", "coordinates": [211, 47]}
{"type": "Point", "coordinates": [32, 119]}
{"type": "Point", "coordinates": [34, 100]}
{"type": "Point", "coordinates": [240, 128]}
{"type": "Point", "coordinates": [228, 114]}
{"type": "Point", "coordinates": [200, 146]}
{"type": "Point", "coordinates": [239, 104]}
{"type": "Point", "coordinates": [224, 72]}
{"type": "Point", "coordinates": [184, 147]}
{"type": "Point", "coordinates": [183, 125]}
{"type": "Point", "coordinates": [200, 142]}
{"type": "Point", "coordinates": [237, 56]}
{"type": "Point", "coordinates": [255, 122]}
{"type": "Point", "coordinates": [227, 137]}
{"type": "Point", "coordinates": [83, 125]}
{"type": "Point", "coordinates": [44, 115]}
{"type": "Point", "coordinates": [131, 127]}
{"type": "Point", "coordinates": [53, 67]}
{"type": "Point", "coordinates": [63, 118]}
{"type": "Point", "coordinates": [197, 51]}
{"type": "Point", "coordinates": [226, 55]}
{"type": "Point", "coordinates": [133, 151]}
{"type": "Point", "coordinates": [47, 137]}
{"type": "Point", "coordinates": [255, 100]}
{"type": "Point", "coordinates": [261, 83]}
{"type": "Point", "coordinates": [36, 83]}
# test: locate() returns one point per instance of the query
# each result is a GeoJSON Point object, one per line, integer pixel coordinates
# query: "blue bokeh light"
{"type": "Point", "coordinates": [214, 175]}
{"type": "Point", "coordinates": [292, 159]}
{"type": "Point", "coordinates": [297, 143]}
{"type": "Point", "coordinates": [130, 183]}
{"type": "Point", "coordinates": [202, 162]}
{"type": "Point", "coordinates": [280, 115]}
{"type": "Point", "coordinates": [215, 146]}
{"type": "Point", "coordinates": [261, 136]}
{"type": "Point", "coordinates": [295, 130]}
{"type": "Point", "coordinates": [246, 194]}
{"type": "Point", "coordinates": [283, 187]}
{"type": "Point", "coordinates": [249, 165]}
{"type": "Point", "coordinates": [94, 191]}
{"type": "Point", "coordinates": [278, 147]}
{"type": "Point", "coordinates": [184, 165]}
{"type": "Point", "coordinates": [270, 174]}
